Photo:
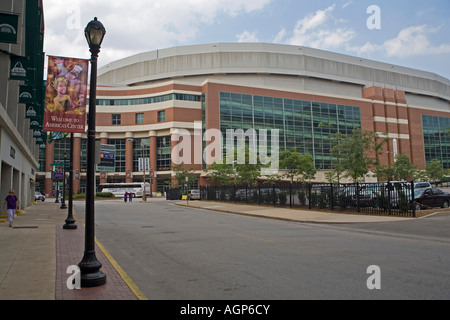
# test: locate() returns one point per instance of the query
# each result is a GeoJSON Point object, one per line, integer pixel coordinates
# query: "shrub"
{"type": "Point", "coordinates": [104, 195]}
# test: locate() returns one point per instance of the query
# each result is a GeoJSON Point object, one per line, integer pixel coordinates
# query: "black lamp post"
{"type": "Point", "coordinates": [91, 276]}
{"type": "Point", "coordinates": [63, 202]}
{"type": "Point", "coordinates": [70, 221]}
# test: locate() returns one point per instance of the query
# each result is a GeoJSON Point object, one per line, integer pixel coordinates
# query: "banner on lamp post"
{"type": "Point", "coordinates": [65, 96]}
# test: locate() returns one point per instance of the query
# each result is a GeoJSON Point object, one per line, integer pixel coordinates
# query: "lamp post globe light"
{"type": "Point", "coordinates": [91, 276]}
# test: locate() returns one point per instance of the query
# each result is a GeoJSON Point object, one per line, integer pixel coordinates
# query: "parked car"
{"type": "Point", "coordinates": [39, 196]}
{"type": "Point", "coordinates": [431, 197]}
{"type": "Point", "coordinates": [194, 194]}
{"type": "Point", "coordinates": [422, 185]}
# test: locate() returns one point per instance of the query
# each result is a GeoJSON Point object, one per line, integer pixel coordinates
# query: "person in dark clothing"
{"type": "Point", "coordinates": [12, 203]}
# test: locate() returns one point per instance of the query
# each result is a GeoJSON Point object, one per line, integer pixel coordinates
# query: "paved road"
{"type": "Point", "coordinates": [173, 252]}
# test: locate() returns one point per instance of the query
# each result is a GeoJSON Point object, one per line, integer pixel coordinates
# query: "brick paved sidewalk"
{"type": "Point", "coordinates": [69, 251]}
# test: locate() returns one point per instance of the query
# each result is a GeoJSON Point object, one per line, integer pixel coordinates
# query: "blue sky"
{"type": "Point", "coordinates": [412, 33]}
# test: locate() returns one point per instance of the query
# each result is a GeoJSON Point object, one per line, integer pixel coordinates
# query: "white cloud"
{"type": "Point", "coordinates": [247, 36]}
{"type": "Point", "coordinates": [314, 20]}
{"type": "Point", "coordinates": [318, 30]}
{"type": "Point", "coordinates": [410, 41]}
{"type": "Point", "coordinates": [134, 26]}
{"type": "Point", "coordinates": [413, 41]}
{"type": "Point", "coordinates": [345, 5]}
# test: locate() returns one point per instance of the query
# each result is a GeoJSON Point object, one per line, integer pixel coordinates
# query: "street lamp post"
{"type": "Point", "coordinates": [63, 202]}
{"type": "Point", "coordinates": [70, 221]}
{"type": "Point", "coordinates": [91, 276]}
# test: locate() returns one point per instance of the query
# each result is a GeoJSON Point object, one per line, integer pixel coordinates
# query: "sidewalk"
{"type": "Point", "coordinates": [37, 251]}
{"type": "Point", "coordinates": [287, 213]}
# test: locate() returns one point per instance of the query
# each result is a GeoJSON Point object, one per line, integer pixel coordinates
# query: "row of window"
{"type": "Point", "coordinates": [149, 100]}
{"type": "Point", "coordinates": [139, 118]}
{"type": "Point", "coordinates": [306, 126]}
{"type": "Point", "coordinates": [141, 149]}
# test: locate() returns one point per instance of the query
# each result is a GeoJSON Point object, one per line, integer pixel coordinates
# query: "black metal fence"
{"type": "Point", "coordinates": [390, 198]}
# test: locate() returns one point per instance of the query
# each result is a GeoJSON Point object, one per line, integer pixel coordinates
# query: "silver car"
{"type": "Point", "coordinates": [194, 194]}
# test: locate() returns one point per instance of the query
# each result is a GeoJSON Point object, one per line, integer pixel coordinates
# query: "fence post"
{"type": "Point", "coordinates": [273, 195]}
{"type": "Point", "coordinates": [413, 200]}
{"type": "Point", "coordinates": [259, 194]}
{"type": "Point", "coordinates": [309, 195]}
{"type": "Point", "coordinates": [357, 197]}
{"type": "Point", "coordinates": [290, 195]}
{"type": "Point", "coordinates": [246, 188]}
{"type": "Point", "coordinates": [389, 198]}
{"type": "Point", "coordinates": [331, 197]}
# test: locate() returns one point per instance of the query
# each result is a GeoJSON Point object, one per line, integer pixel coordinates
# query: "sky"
{"type": "Point", "coordinates": [409, 33]}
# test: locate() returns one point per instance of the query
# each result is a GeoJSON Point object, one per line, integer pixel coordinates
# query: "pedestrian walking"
{"type": "Point", "coordinates": [125, 197]}
{"type": "Point", "coordinates": [11, 203]}
{"type": "Point", "coordinates": [131, 197]}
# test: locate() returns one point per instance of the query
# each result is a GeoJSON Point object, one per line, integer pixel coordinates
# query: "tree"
{"type": "Point", "coordinates": [247, 173]}
{"type": "Point", "coordinates": [403, 168]}
{"type": "Point", "coordinates": [435, 171]}
{"type": "Point", "coordinates": [237, 173]}
{"type": "Point", "coordinates": [221, 173]}
{"type": "Point", "coordinates": [337, 165]}
{"type": "Point", "coordinates": [296, 165]}
{"type": "Point", "coordinates": [359, 153]}
{"type": "Point", "coordinates": [182, 176]}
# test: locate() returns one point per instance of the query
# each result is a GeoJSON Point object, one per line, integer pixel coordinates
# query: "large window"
{"type": "Point", "coordinates": [436, 136]}
{"type": "Point", "coordinates": [164, 156]}
{"type": "Point", "coordinates": [141, 149]}
{"type": "Point", "coordinates": [120, 153]}
{"type": "Point", "coordinates": [303, 125]}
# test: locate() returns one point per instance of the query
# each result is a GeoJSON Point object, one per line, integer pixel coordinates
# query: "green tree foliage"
{"type": "Point", "coordinates": [246, 173]}
{"type": "Point", "coordinates": [297, 166]}
{"type": "Point", "coordinates": [435, 171]}
{"type": "Point", "coordinates": [401, 170]}
{"type": "Point", "coordinates": [358, 153]}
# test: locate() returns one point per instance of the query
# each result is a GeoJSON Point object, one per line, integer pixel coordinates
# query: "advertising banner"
{"type": "Point", "coordinates": [65, 96]}
{"type": "Point", "coordinates": [107, 158]}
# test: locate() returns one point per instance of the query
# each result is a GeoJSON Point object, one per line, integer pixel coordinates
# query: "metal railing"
{"type": "Point", "coordinates": [390, 198]}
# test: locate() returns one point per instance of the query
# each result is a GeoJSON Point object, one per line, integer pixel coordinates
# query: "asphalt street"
{"type": "Point", "coordinates": [174, 252]}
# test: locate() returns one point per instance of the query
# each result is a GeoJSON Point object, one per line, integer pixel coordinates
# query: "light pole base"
{"type": "Point", "coordinates": [70, 226]}
{"type": "Point", "coordinates": [91, 276]}
{"type": "Point", "coordinates": [96, 279]}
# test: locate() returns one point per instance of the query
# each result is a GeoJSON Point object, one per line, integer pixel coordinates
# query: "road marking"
{"type": "Point", "coordinates": [138, 293]}
{"type": "Point", "coordinates": [253, 238]}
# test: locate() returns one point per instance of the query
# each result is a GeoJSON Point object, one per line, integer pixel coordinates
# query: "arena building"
{"type": "Point", "coordinates": [145, 100]}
